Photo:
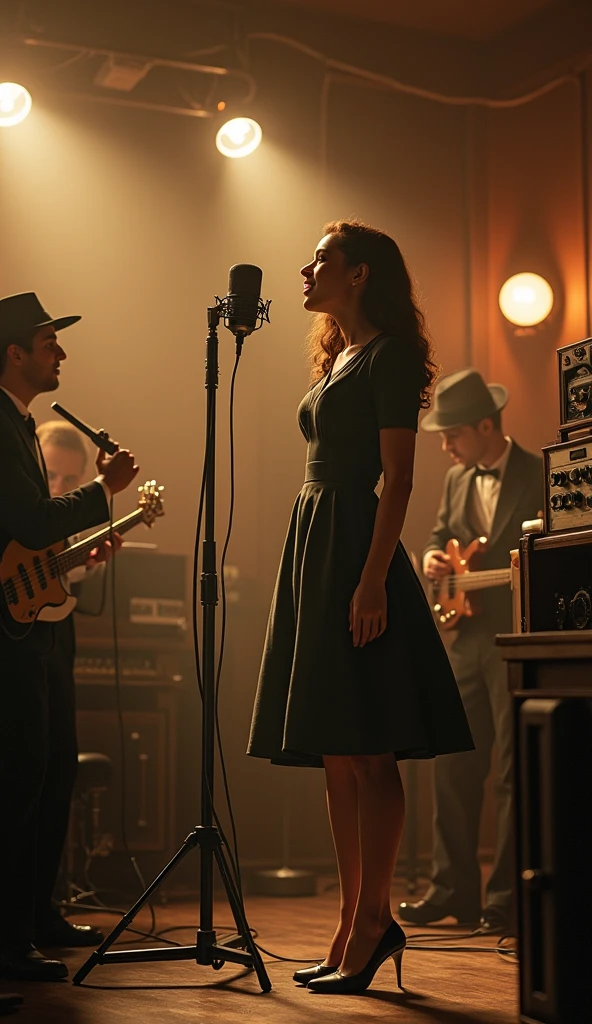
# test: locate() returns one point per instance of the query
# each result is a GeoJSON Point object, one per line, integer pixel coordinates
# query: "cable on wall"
{"type": "Point", "coordinates": [585, 179]}
{"type": "Point", "coordinates": [394, 85]}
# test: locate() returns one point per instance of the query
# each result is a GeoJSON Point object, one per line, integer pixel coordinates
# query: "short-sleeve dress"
{"type": "Point", "coordinates": [317, 693]}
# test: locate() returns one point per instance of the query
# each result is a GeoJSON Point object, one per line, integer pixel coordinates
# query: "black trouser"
{"type": "Point", "coordinates": [459, 782]}
{"type": "Point", "coordinates": [38, 762]}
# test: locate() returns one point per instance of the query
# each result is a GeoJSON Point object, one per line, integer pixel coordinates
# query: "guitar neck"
{"type": "Point", "coordinates": [480, 580]}
{"type": "Point", "coordinates": [79, 552]}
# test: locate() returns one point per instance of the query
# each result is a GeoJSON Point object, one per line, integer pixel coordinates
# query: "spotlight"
{"type": "Point", "coordinates": [526, 299]}
{"type": "Point", "coordinates": [239, 137]}
{"type": "Point", "coordinates": [15, 104]}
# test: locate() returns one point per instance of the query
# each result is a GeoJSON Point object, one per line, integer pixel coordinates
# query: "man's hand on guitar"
{"type": "Point", "coordinates": [104, 552]}
{"type": "Point", "coordinates": [118, 470]}
{"type": "Point", "coordinates": [437, 565]}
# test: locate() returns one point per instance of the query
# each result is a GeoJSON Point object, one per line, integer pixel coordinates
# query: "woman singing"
{"type": "Point", "coordinates": [354, 676]}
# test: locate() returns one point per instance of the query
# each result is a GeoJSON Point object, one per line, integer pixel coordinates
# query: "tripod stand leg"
{"type": "Point", "coordinates": [97, 957]}
{"type": "Point", "coordinates": [242, 926]}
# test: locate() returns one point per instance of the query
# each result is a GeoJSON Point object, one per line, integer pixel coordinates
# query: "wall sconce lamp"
{"type": "Point", "coordinates": [526, 299]}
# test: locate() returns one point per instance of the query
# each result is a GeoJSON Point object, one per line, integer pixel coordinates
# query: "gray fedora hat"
{"type": "Point", "coordinates": [463, 397]}
{"type": "Point", "coordinates": [22, 313]}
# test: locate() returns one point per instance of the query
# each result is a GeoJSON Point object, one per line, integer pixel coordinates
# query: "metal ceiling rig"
{"type": "Point", "coordinates": [121, 72]}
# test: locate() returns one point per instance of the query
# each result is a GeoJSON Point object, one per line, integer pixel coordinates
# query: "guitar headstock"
{"type": "Point", "coordinates": [150, 501]}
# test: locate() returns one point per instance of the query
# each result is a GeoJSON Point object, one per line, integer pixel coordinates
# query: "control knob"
{"type": "Point", "coordinates": [581, 609]}
{"type": "Point", "coordinates": [580, 353]}
{"type": "Point", "coordinates": [556, 502]}
{"type": "Point", "coordinates": [573, 499]}
{"type": "Point", "coordinates": [575, 475]}
{"type": "Point", "coordinates": [560, 611]}
{"type": "Point", "coordinates": [558, 478]}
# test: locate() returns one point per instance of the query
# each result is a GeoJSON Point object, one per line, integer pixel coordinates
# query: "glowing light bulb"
{"type": "Point", "coordinates": [526, 299]}
{"type": "Point", "coordinates": [239, 137]}
{"type": "Point", "coordinates": [15, 104]}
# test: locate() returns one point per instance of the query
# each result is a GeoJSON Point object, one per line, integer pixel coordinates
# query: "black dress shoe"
{"type": "Point", "coordinates": [22, 962]}
{"type": "Point", "coordinates": [494, 921]}
{"type": "Point", "coordinates": [60, 933]}
{"type": "Point", "coordinates": [428, 912]}
{"type": "Point", "coordinates": [307, 974]}
{"type": "Point", "coordinates": [392, 944]}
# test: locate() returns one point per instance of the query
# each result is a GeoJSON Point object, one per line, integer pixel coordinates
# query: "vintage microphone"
{"type": "Point", "coordinates": [100, 438]}
{"type": "Point", "coordinates": [242, 309]}
{"type": "Point", "coordinates": [243, 312]}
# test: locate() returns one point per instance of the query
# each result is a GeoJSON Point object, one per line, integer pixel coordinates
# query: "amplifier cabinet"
{"type": "Point", "coordinates": [550, 681]}
{"type": "Point", "coordinates": [575, 385]}
{"type": "Point", "coordinates": [556, 582]}
{"type": "Point", "coordinates": [568, 485]}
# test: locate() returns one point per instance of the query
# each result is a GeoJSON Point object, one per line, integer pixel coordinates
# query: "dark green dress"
{"type": "Point", "coordinates": [317, 693]}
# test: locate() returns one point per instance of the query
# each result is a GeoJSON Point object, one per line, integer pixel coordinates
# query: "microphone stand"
{"type": "Point", "coordinates": [239, 948]}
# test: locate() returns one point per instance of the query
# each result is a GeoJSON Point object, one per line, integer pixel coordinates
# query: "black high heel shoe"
{"type": "Point", "coordinates": [306, 974]}
{"type": "Point", "coordinates": [392, 943]}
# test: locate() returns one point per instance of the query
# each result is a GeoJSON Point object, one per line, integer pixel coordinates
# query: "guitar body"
{"type": "Point", "coordinates": [33, 580]}
{"type": "Point", "coordinates": [29, 580]}
{"type": "Point", "coordinates": [450, 601]}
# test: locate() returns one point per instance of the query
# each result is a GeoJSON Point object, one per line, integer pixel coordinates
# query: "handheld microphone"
{"type": "Point", "coordinates": [100, 438]}
{"type": "Point", "coordinates": [242, 308]}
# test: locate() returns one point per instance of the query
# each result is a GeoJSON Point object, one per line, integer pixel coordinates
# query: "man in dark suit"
{"type": "Point", "coordinates": [32, 734]}
{"type": "Point", "coordinates": [493, 487]}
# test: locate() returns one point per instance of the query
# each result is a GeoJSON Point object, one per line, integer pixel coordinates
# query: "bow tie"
{"type": "Point", "coordinates": [30, 425]}
{"type": "Point", "coordinates": [487, 472]}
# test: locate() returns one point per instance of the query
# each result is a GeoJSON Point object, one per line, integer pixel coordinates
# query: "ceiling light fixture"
{"type": "Point", "coordinates": [15, 104]}
{"type": "Point", "coordinates": [239, 137]}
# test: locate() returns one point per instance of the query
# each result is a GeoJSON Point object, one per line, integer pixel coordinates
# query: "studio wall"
{"type": "Point", "coordinates": [133, 219]}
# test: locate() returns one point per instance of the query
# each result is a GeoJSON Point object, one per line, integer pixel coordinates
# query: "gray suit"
{"type": "Point", "coordinates": [481, 677]}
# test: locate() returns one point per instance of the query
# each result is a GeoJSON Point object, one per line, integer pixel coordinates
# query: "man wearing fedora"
{"type": "Point", "coordinates": [493, 486]}
{"type": "Point", "coordinates": [37, 730]}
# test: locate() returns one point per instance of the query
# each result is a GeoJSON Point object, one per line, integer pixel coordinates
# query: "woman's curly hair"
{"type": "Point", "coordinates": [388, 301]}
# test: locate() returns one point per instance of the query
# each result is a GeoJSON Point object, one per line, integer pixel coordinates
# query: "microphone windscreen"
{"type": "Point", "coordinates": [245, 279]}
{"type": "Point", "coordinates": [244, 290]}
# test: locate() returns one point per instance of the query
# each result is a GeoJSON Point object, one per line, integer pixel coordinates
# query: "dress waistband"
{"type": "Point", "coordinates": [333, 473]}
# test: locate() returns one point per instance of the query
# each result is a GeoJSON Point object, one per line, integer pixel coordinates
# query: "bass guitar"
{"type": "Point", "coordinates": [450, 596]}
{"type": "Point", "coordinates": [33, 580]}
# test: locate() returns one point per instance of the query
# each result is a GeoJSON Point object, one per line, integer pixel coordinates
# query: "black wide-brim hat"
{"type": "Point", "coordinates": [22, 313]}
{"type": "Point", "coordinates": [461, 398]}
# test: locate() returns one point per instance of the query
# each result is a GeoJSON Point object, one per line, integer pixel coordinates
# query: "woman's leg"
{"type": "Point", "coordinates": [381, 814]}
{"type": "Point", "coordinates": [342, 802]}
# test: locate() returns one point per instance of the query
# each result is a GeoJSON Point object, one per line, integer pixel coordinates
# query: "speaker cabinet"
{"type": "Point", "coordinates": [554, 766]}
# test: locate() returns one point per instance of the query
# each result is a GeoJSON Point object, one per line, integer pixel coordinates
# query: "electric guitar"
{"type": "Point", "coordinates": [450, 596]}
{"type": "Point", "coordinates": [32, 580]}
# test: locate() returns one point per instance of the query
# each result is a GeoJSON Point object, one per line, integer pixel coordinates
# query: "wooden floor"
{"type": "Point", "coordinates": [440, 987]}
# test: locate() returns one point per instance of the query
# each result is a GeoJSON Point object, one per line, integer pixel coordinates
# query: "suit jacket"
{"type": "Point", "coordinates": [27, 512]}
{"type": "Point", "coordinates": [520, 498]}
